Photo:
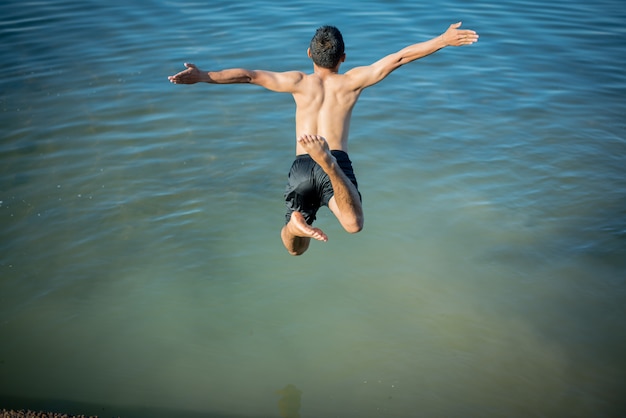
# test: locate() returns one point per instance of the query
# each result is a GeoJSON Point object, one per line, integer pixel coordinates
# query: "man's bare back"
{"type": "Point", "coordinates": [324, 102]}
{"type": "Point", "coordinates": [324, 106]}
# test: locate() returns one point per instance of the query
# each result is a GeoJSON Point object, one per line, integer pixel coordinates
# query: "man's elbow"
{"type": "Point", "coordinates": [250, 77]}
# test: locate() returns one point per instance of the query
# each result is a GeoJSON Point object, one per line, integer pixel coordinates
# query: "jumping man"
{"type": "Point", "coordinates": [322, 174]}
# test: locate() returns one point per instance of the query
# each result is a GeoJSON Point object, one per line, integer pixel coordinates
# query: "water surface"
{"type": "Point", "coordinates": [140, 261]}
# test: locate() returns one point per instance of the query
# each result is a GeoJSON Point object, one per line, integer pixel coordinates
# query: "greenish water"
{"type": "Point", "coordinates": [140, 261]}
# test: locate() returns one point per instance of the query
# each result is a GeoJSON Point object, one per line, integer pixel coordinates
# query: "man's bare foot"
{"type": "Point", "coordinates": [298, 227]}
{"type": "Point", "coordinates": [317, 147]}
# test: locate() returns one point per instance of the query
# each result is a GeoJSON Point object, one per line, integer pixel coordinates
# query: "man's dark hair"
{"type": "Point", "coordinates": [327, 47]}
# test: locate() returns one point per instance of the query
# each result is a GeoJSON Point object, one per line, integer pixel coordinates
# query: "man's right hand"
{"type": "Point", "coordinates": [191, 75]}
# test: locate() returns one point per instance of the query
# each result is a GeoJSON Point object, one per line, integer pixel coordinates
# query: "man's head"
{"type": "Point", "coordinates": [327, 48]}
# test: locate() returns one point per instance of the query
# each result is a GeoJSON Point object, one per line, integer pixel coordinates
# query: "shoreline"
{"type": "Point", "coordinates": [26, 413]}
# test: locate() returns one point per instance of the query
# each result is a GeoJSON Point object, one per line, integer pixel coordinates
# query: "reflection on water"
{"type": "Point", "coordinates": [289, 403]}
{"type": "Point", "coordinates": [140, 261]}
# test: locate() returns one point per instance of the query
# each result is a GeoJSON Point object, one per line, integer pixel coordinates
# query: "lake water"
{"type": "Point", "coordinates": [141, 269]}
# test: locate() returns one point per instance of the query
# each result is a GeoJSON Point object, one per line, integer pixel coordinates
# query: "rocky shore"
{"type": "Point", "coordinates": [32, 414]}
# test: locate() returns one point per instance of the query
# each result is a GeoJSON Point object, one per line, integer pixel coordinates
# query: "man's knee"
{"type": "Point", "coordinates": [297, 252]}
{"type": "Point", "coordinates": [353, 226]}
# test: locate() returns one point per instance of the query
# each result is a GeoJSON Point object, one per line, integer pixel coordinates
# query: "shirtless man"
{"type": "Point", "coordinates": [322, 173]}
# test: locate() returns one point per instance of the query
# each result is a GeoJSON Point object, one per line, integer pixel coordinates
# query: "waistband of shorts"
{"type": "Point", "coordinates": [337, 153]}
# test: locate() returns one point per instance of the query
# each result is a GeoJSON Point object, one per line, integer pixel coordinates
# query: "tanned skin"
{"type": "Point", "coordinates": [324, 102]}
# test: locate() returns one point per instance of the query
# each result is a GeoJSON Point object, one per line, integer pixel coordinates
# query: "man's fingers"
{"type": "Point", "coordinates": [467, 36]}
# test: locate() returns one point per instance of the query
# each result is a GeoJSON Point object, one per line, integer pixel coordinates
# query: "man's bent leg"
{"type": "Point", "coordinates": [297, 234]}
{"type": "Point", "coordinates": [346, 203]}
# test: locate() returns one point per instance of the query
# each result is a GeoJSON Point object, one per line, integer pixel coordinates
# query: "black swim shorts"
{"type": "Point", "coordinates": [309, 188]}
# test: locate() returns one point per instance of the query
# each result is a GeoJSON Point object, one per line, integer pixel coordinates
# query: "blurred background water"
{"type": "Point", "coordinates": [140, 260]}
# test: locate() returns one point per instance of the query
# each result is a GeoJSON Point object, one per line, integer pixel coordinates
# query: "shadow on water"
{"type": "Point", "coordinates": [289, 403]}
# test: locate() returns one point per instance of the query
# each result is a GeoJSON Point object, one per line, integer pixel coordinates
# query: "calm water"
{"type": "Point", "coordinates": [140, 262]}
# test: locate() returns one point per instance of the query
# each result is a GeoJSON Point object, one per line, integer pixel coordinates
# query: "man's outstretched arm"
{"type": "Point", "coordinates": [280, 82]}
{"type": "Point", "coordinates": [369, 75]}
